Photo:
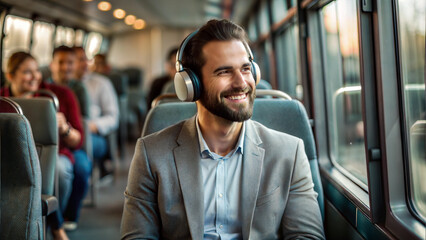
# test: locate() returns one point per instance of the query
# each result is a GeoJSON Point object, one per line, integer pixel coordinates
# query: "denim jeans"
{"type": "Point", "coordinates": [64, 169]}
{"type": "Point", "coordinates": [100, 146]}
{"type": "Point", "coordinates": [73, 184]}
{"type": "Point", "coordinates": [82, 171]}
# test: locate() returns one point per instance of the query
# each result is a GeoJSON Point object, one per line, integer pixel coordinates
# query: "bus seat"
{"type": "Point", "coordinates": [24, 207]}
{"type": "Point", "coordinates": [45, 72]}
{"type": "Point", "coordinates": [263, 84]}
{"type": "Point", "coordinates": [120, 82]}
{"type": "Point", "coordinates": [287, 116]}
{"type": "Point", "coordinates": [21, 210]}
{"type": "Point", "coordinates": [136, 108]}
{"type": "Point", "coordinates": [41, 113]}
{"type": "Point", "coordinates": [135, 76]}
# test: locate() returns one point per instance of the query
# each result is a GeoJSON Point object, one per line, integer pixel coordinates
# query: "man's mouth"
{"type": "Point", "coordinates": [237, 97]}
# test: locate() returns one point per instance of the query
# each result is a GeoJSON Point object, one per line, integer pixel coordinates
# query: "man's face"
{"type": "Point", "coordinates": [82, 64]}
{"type": "Point", "coordinates": [228, 84]}
{"type": "Point", "coordinates": [62, 67]}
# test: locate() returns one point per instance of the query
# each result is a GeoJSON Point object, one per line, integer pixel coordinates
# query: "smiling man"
{"type": "Point", "coordinates": [219, 175]}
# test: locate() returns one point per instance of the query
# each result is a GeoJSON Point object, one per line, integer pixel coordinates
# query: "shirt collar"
{"type": "Point", "coordinates": [204, 149]}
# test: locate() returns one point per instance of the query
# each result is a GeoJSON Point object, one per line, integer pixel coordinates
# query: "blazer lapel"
{"type": "Point", "coordinates": [252, 170]}
{"type": "Point", "coordinates": [187, 157]}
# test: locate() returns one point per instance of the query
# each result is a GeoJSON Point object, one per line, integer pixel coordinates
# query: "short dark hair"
{"type": "Point", "coordinates": [62, 48]}
{"type": "Point", "coordinates": [213, 30]}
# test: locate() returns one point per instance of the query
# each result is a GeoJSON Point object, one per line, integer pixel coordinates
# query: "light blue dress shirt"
{"type": "Point", "coordinates": [222, 190]}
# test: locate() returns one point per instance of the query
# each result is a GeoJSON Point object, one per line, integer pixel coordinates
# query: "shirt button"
{"type": "Point", "coordinates": [221, 226]}
{"type": "Point", "coordinates": [221, 162]}
{"type": "Point", "coordinates": [220, 195]}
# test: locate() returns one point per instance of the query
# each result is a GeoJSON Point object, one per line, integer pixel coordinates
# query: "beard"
{"type": "Point", "coordinates": [220, 108]}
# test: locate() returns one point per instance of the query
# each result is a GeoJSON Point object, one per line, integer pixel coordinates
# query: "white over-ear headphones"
{"type": "Point", "coordinates": [188, 85]}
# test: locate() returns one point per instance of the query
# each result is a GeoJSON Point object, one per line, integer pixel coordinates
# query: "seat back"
{"type": "Point", "coordinates": [135, 76]}
{"type": "Point", "coordinates": [41, 113]}
{"type": "Point", "coordinates": [288, 116]}
{"type": "Point", "coordinates": [21, 212]}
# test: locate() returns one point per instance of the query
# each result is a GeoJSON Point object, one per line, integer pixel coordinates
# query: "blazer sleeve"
{"type": "Point", "coordinates": [141, 218]}
{"type": "Point", "coordinates": [302, 216]}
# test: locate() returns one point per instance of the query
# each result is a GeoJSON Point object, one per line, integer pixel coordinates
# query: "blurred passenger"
{"type": "Point", "coordinates": [73, 166]}
{"type": "Point", "coordinates": [100, 65]}
{"type": "Point", "coordinates": [159, 83]}
{"type": "Point", "coordinates": [103, 109]}
{"type": "Point", "coordinates": [62, 67]}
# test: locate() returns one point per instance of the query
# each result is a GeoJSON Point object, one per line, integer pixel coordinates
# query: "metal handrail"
{"type": "Point", "coordinates": [13, 104]}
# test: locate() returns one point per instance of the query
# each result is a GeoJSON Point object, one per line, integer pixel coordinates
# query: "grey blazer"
{"type": "Point", "coordinates": [164, 196]}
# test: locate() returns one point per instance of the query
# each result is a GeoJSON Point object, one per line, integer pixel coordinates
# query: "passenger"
{"type": "Point", "coordinates": [103, 109]}
{"type": "Point", "coordinates": [220, 175]}
{"type": "Point", "coordinates": [159, 83]}
{"type": "Point", "coordinates": [62, 67]}
{"type": "Point", "coordinates": [73, 165]}
{"type": "Point", "coordinates": [100, 64]}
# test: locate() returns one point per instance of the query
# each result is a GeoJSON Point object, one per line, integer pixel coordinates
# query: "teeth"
{"type": "Point", "coordinates": [239, 97]}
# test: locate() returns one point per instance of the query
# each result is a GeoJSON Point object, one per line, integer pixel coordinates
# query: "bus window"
{"type": "Point", "coordinates": [79, 37]}
{"type": "Point", "coordinates": [64, 36]}
{"type": "Point", "coordinates": [42, 42]}
{"type": "Point", "coordinates": [17, 31]}
{"type": "Point", "coordinates": [343, 89]}
{"type": "Point", "coordinates": [264, 24]}
{"type": "Point", "coordinates": [412, 51]}
{"type": "Point", "coordinates": [288, 67]}
{"type": "Point", "coordinates": [279, 10]}
{"type": "Point", "coordinates": [93, 44]}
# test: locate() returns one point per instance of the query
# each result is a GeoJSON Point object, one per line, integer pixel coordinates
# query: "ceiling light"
{"type": "Point", "coordinates": [119, 13]}
{"type": "Point", "coordinates": [104, 6]}
{"type": "Point", "coordinates": [130, 19]}
{"type": "Point", "coordinates": [139, 24]}
{"type": "Point", "coordinates": [87, 0]}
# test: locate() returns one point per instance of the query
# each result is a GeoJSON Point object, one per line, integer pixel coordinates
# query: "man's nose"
{"type": "Point", "coordinates": [239, 80]}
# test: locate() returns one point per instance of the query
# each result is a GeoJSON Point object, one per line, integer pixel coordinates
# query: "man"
{"type": "Point", "coordinates": [159, 83]}
{"type": "Point", "coordinates": [100, 64]}
{"type": "Point", "coordinates": [219, 175]}
{"type": "Point", "coordinates": [62, 67]}
{"type": "Point", "coordinates": [103, 106]}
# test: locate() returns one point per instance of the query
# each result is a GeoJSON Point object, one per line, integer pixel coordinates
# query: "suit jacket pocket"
{"type": "Point", "coordinates": [269, 197]}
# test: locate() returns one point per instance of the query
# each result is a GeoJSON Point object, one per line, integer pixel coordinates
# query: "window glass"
{"type": "Point", "coordinates": [42, 42]}
{"type": "Point", "coordinates": [264, 18]}
{"type": "Point", "coordinates": [288, 67]}
{"type": "Point", "coordinates": [64, 36]}
{"type": "Point", "coordinates": [343, 89]}
{"type": "Point", "coordinates": [79, 37]}
{"type": "Point", "coordinates": [17, 31]}
{"type": "Point", "coordinates": [93, 44]}
{"type": "Point", "coordinates": [279, 10]}
{"type": "Point", "coordinates": [412, 49]}
{"type": "Point", "coordinates": [252, 32]}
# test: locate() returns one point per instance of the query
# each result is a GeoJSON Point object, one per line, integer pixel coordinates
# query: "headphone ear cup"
{"type": "Point", "coordinates": [196, 84]}
{"type": "Point", "coordinates": [256, 72]}
{"type": "Point", "coordinates": [187, 85]}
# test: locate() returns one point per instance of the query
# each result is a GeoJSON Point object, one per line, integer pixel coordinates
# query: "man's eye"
{"type": "Point", "coordinates": [246, 69]}
{"type": "Point", "coordinates": [223, 72]}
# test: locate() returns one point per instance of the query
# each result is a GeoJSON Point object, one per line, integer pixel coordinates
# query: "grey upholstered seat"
{"type": "Point", "coordinates": [287, 116]}
{"type": "Point", "coordinates": [21, 208]}
{"type": "Point", "coordinates": [41, 113]}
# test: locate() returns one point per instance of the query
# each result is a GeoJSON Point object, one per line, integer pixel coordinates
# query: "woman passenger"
{"type": "Point", "coordinates": [74, 167]}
